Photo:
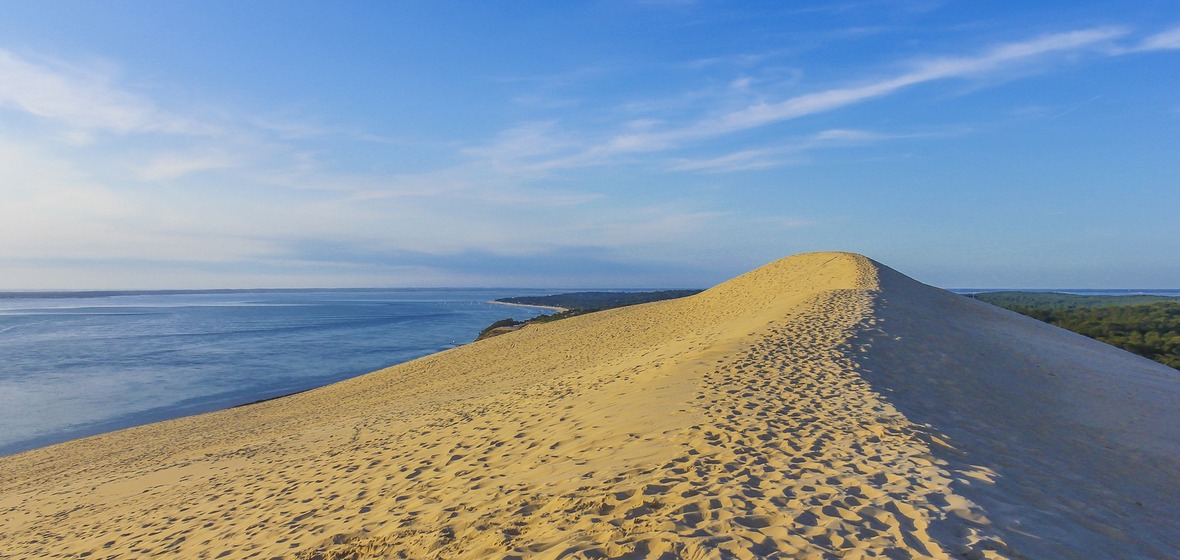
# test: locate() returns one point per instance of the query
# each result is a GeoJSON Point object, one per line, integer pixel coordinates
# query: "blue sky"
{"type": "Point", "coordinates": [597, 144]}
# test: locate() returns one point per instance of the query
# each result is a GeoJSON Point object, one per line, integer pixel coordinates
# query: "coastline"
{"type": "Point", "coordinates": [248, 350]}
{"type": "Point", "coordinates": [552, 307]}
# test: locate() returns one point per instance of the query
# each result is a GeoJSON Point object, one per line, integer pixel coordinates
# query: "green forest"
{"type": "Point", "coordinates": [1146, 325]}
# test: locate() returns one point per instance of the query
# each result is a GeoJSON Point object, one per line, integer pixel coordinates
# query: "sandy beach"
{"type": "Point", "coordinates": [822, 406]}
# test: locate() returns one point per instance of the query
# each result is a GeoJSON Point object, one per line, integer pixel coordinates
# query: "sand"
{"type": "Point", "coordinates": [823, 406]}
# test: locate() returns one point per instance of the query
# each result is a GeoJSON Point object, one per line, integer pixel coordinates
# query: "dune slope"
{"type": "Point", "coordinates": [1082, 439]}
{"type": "Point", "coordinates": [821, 406]}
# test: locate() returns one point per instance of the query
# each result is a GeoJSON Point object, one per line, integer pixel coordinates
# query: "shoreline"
{"type": "Point", "coordinates": [283, 396]}
{"type": "Point", "coordinates": [551, 307]}
{"type": "Point", "coordinates": [250, 403]}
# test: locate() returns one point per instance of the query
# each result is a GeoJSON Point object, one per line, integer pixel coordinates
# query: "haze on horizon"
{"type": "Point", "coordinates": [607, 144]}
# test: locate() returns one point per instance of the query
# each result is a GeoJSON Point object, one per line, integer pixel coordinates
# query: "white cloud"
{"type": "Point", "coordinates": [522, 142]}
{"type": "Point", "coordinates": [84, 99]}
{"type": "Point", "coordinates": [745, 160]}
{"type": "Point", "coordinates": [926, 71]}
{"type": "Point", "coordinates": [786, 154]}
{"type": "Point", "coordinates": [663, 223]}
{"type": "Point", "coordinates": [174, 165]}
{"type": "Point", "coordinates": [1167, 40]}
{"type": "Point", "coordinates": [543, 148]}
{"type": "Point", "coordinates": [763, 113]}
{"type": "Point", "coordinates": [742, 84]}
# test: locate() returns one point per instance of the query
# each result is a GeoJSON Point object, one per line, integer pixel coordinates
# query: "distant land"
{"type": "Point", "coordinates": [1063, 300]}
{"type": "Point", "coordinates": [576, 303]}
{"type": "Point", "coordinates": [598, 300]}
{"type": "Point", "coordinates": [1147, 325]}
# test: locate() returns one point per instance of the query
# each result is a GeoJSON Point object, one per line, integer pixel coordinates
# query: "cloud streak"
{"type": "Point", "coordinates": [534, 150]}
{"type": "Point", "coordinates": [84, 99]}
{"type": "Point", "coordinates": [539, 148]}
{"type": "Point", "coordinates": [935, 69]}
{"type": "Point", "coordinates": [1167, 40]}
{"type": "Point", "coordinates": [776, 156]}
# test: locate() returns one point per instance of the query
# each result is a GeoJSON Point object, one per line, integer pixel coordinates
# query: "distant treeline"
{"type": "Point", "coordinates": [1146, 325]}
{"type": "Point", "coordinates": [1049, 300]}
{"type": "Point", "coordinates": [588, 301]}
{"type": "Point", "coordinates": [577, 303]}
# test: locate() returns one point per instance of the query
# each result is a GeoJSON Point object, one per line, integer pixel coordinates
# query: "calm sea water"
{"type": "Point", "coordinates": [71, 367]}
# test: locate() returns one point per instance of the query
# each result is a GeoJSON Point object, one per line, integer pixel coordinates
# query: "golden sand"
{"type": "Point", "coordinates": [771, 416]}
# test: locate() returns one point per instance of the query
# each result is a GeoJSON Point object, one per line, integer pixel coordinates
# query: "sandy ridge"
{"type": "Point", "coordinates": [777, 466]}
{"type": "Point", "coordinates": [636, 432]}
{"type": "Point", "coordinates": [737, 423]}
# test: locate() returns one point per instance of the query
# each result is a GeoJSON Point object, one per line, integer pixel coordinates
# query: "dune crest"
{"type": "Point", "coordinates": [770, 416]}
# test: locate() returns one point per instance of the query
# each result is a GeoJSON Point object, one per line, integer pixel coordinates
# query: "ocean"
{"type": "Point", "coordinates": [82, 365]}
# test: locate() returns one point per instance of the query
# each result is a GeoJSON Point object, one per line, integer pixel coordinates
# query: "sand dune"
{"type": "Point", "coordinates": [822, 406]}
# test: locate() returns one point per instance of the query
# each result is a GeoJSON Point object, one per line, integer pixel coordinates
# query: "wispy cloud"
{"type": "Point", "coordinates": [1076, 107]}
{"type": "Point", "coordinates": [536, 149]}
{"type": "Point", "coordinates": [837, 8]}
{"type": "Point", "coordinates": [723, 120]}
{"type": "Point", "coordinates": [125, 181]}
{"type": "Point", "coordinates": [786, 154]}
{"type": "Point", "coordinates": [1167, 40]}
{"type": "Point", "coordinates": [83, 98]}
{"type": "Point", "coordinates": [744, 160]}
{"type": "Point", "coordinates": [174, 165]}
{"type": "Point", "coordinates": [741, 60]}
{"type": "Point", "coordinates": [762, 114]}
{"type": "Point", "coordinates": [524, 142]}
